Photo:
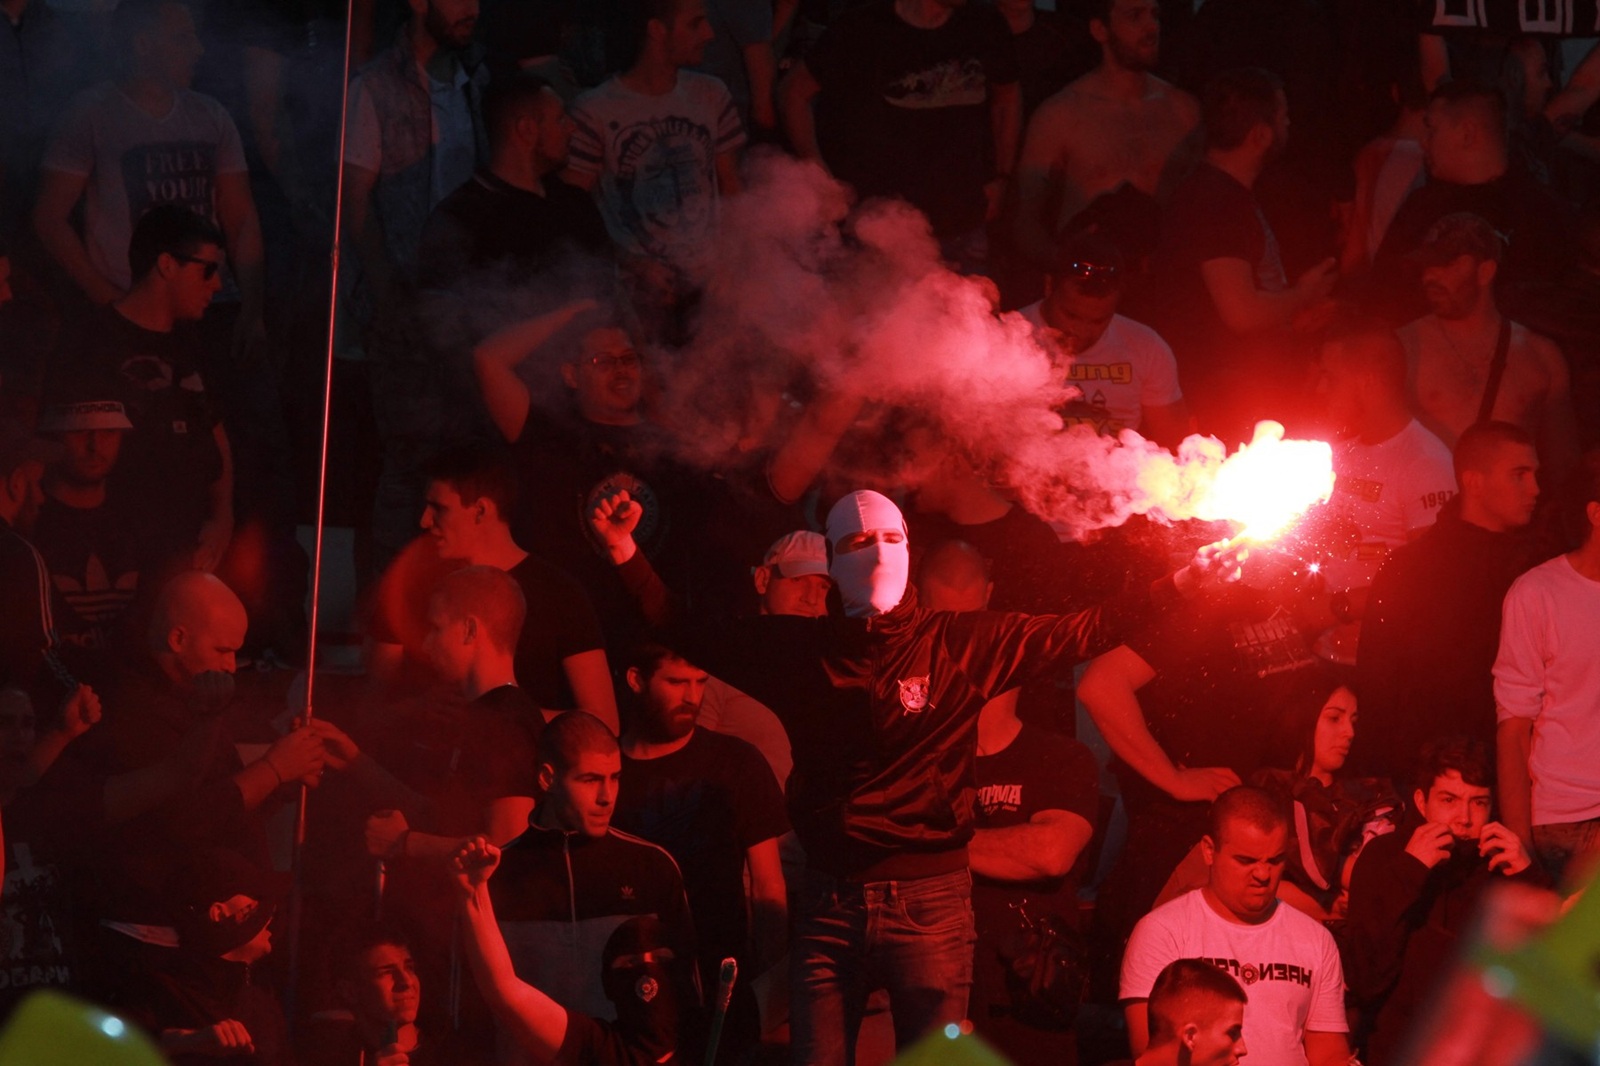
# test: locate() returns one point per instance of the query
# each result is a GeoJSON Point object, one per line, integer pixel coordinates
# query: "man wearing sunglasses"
{"type": "Point", "coordinates": [176, 464]}
{"type": "Point", "coordinates": [1124, 372]}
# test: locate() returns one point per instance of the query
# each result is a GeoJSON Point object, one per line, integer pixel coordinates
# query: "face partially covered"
{"type": "Point", "coordinates": [1454, 802]}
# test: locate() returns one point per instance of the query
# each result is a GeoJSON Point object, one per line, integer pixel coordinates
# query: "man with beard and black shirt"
{"type": "Point", "coordinates": [516, 211]}
{"type": "Point", "coordinates": [711, 801]}
{"type": "Point", "coordinates": [1228, 309]}
{"type": "Point", "coordinates": [1413, 891]}
{"type": "Point", "coordinates": [1432, 625]}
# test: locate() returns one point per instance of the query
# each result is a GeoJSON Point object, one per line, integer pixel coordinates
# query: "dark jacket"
{"type": "Point", "coordinates": [882, 714]}
{"type": "Point", "coordinates": [1429, 639]}
{"type": "Point", "coordinates": [1403, 924]}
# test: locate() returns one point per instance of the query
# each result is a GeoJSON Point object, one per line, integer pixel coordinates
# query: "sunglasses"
{"type": "Point", "coordinates": [1094, 279]}
{"type": "Point", "coordinates": [211, 265]}
{"type": "Point", "coordinates": [630, 361]}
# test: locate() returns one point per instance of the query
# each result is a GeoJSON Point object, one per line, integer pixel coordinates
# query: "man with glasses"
{"type": "Point", "coordinates": [1125, 373]}
{"type": "Point", "coordinates": [176, 462]}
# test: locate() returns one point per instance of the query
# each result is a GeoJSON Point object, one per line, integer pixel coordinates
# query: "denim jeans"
{"type": "Point", "coordinates": [1569, 851]}
{"type": "Point", "coordinates": [912, 938]}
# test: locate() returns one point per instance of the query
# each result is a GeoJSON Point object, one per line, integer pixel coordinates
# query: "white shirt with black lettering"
{"type": "Point", "coordinates": [1288, 966]}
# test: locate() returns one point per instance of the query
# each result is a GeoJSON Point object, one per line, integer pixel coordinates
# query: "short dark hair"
{"type": "Point", "coordinates": [1467, 756]}
{"type": "Point", "coordinates": [346, 947]}
{"type": "Point", "coordinates": [568, 735]}
{"type": "Point", "coordinates": [492, 596]}
{"type": "Point", "coordinates": [1248, 804]}
{"type": "Point", "coordinates": [1180, 981]}
{"type": "Point", "coordinates": [477, 472]}
{"type": "Point", "coordinates": [1236, 102]}
{"type": "Point", "coordinates": [1476, 447]}
{"type": "Point", "coordinates": [1091, 262]}
{"type": "Point", "coordinates": [508, 100]}
{"type": "Point", "coordinates": [168, 229]}
{"type": "Point", "coordinates": [1099, 10]}
{"type": "Point", "coordinates": [1585, 490]}
{"type": "Point", "coordinates": [647, 654]}
{"type": "Point", "coordinates": [1484, 102]}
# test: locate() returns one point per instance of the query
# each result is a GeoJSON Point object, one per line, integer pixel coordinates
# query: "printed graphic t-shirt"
{"type": "Point", "coordinates": [1289, 967]}
{"type": "Point", "coordinates": [656, 160]}
{"type": "Point", "coordinates": [1385, 491]}
{"type": "Point", "coordinates": [134, 162]}
{"type": "Point", "coordinates": [1128, 369]}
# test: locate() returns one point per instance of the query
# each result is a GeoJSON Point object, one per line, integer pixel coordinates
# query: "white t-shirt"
{"type": "Point", "coordinates": [656, 159]}
{"type": "Point", "coordinates": [134, 162]}
{"type": "Point", "coordinates": [1288, 966]}
{"type": "Point", "coordinates": [1386, 491]}
{"type": "Point", "coordinates": [1128, 369]}
{"type": "Point", "coordinates": [1548, 669]}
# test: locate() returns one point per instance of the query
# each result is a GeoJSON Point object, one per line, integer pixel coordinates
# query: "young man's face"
{"type": "Point", "coordinates": [555, 132]}
{"type": "Point", "coordinates": [384, 989]}
{"type": "Point", "coordinates": [22, 485]}
{"type": "Point", "coordinates": [582, 799]}
{"type": "Point", "coordinates": [91, 456]}
{"type": "Point", "coordinates": [1509, 490]}
{"type": "Point", "coordinates": [1246, 865]}
{"type": "Point", "coordinates": [451, 22]}
{"type": "Point", "coordinates": [669, 699]}
{"type": "Point", "coordinates": [1133, 34]}
{"type": "Point", "coordinates": [688, 33]}
{"type": "Point", "coordinates": [1453, 802]}
{"type": "Point", "coordinates": [447, 646]}
{"type": "Point", "coordinates": [1079, 319]}
{"type": "Point", "coordinates": [193, 279]}
{"type": "Point", "coordinates": [171, 48]}
{"type": "Point", "coordinates": [453, 524]}
{"type": "Point", "coordinates": [1221, 1043]}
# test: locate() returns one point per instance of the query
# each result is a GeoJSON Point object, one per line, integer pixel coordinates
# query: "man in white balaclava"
{"type": "Point", "coordinates": [881, 707]}
{"type": "Point", "coordinates": [871, 559]}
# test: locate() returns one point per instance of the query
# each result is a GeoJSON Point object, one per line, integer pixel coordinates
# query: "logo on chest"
{"type": "Point", "coordinates": [914, 694]}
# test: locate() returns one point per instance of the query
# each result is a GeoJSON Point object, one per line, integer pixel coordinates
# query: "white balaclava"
{"type": "Point", "coordinates": [872, 580]}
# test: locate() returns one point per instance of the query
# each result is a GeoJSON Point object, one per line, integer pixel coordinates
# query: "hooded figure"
{"type": "Point", "coordinates": [871, 559]}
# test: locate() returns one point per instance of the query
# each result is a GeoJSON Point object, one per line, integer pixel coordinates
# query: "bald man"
{"type": "Point", "coordinates": [175, 696]}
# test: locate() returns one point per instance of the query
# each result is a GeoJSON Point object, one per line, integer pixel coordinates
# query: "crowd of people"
{"type": "Point", "coordinates": [717, 700]}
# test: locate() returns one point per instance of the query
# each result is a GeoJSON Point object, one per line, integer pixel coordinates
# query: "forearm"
{"type": "Point", "coordinates": [769, 932]}
{"type": "Point", "coordinates": [221, 490]}
{"type": "Point", "coordinates": [61, 242]}
{"type": "Point", "coordinates": [1005, 121]}
{"type": "Point", "coordinates": [761, 66]}
{"type": "Point", "coordinates": [1327, 1049]}
{"type": "Point", "coordinates": [798, 120]}
{"type": "Point", "coordinates": [1118, 716]}
{"type": "Point", "coordinates": [537, 1023]}
{"type": "Point", "coordinates": [257, 782]}
{"type": "Point", "coordinates": [1514, 744]}
{"type": "Point", "coordinates": [245, 256]}
{"type": "Point", "coordinates": [1018, 853]}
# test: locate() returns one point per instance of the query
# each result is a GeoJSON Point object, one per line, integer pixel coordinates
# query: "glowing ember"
{"type": "Point", "coordinates": [1269, 483]}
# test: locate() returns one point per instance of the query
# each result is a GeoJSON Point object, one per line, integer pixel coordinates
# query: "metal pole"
{"type": "Point", "coordinates": [296, 892]}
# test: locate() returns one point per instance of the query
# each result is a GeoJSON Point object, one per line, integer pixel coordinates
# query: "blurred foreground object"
{"type": "Point", "coordinates": [50, 1027]}
{"type": "Point", "coordinates": [953, 1045]}
{"type": "Point", "coordinates": [1529, 989]}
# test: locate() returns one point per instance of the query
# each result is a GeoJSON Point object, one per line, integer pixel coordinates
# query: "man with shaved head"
{"type": "Point", "coordinates": [175, 696]}
{"type": "Point", "coordinates": [1196, 1017]}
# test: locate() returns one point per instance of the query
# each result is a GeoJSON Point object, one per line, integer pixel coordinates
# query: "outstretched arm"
{"type": "Point", "coordinates": [496, 358]}
{"type": "Point", "coordinates": [535, 1021]}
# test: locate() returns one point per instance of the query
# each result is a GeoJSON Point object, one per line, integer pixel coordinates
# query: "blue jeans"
{"type": "Point", "coordinates": [1569, 851]}
{"type": "Point", "coordinates": [912, 938]}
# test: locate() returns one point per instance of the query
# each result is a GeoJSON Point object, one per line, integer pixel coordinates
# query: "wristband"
{"type": "Point", "coordinates": [271, 766]}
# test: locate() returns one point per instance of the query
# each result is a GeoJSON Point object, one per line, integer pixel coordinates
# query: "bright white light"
{"type": "Point", "coordinates": [952, 1030]}
{"type": "Point", "coordinates": [112, 1027]}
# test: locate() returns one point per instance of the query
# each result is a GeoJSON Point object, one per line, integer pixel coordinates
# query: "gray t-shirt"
{"type": "Point", "coordinates": [134, 162]}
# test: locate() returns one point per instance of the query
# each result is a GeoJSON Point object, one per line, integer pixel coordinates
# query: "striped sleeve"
{"type": "Point", "coordinates": [586, 152]}
{"type": "Point", "coordinates": [730, 131]}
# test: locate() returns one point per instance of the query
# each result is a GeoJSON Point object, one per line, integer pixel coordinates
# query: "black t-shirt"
{"type": "Point", "coordinates": [171, 459]}
{"type": "Point", "coordinates": [560, 620]}
{"type": "Point", "coordinates": [706, 803]}
{"type": "Point", "coordinates": [50, 832]}
{"type": "Point", "coordinates": [1211, 216]}
{"type": "Point", "coordinates": [1220, 666]}
{"type": "Point", "coordinates": [1038, 771]}
{"type": "Point", "coordinates": [905, 111]}
{"type": "Point", "coordinates": [96, 557]}
{"type": "Point", "coordinates": [590, 1042]}
{"type": "Point", "coordinates": [487, 221]}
